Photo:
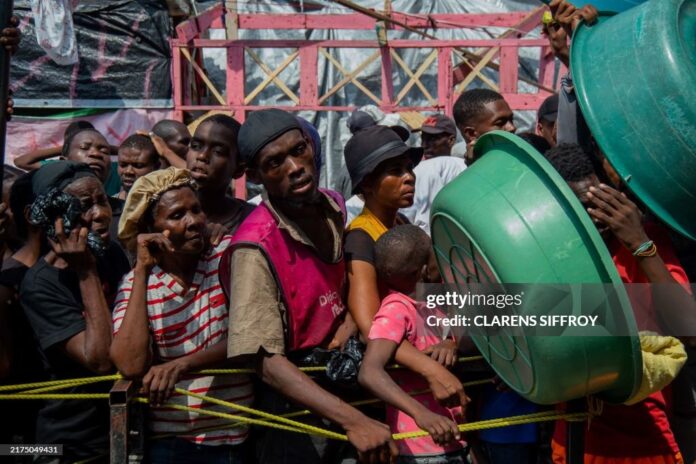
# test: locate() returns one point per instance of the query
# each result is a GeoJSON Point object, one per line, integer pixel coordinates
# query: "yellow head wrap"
{"type": "Point", "coordinates": [145, 191]}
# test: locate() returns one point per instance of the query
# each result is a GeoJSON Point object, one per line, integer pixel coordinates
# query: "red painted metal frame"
{"type": "Point", "coordinates": [191, 35]}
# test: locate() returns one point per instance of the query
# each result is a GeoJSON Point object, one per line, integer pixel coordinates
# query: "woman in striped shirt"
{"type": "Point", "coordinates": [170, 320]}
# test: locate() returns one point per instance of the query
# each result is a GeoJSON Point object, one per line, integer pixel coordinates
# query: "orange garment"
{"type": "Point", "coordinates": [641, 433]}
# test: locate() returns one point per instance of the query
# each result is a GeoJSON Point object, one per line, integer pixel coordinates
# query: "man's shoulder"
{"type": "Point", "coordinates": [41, 271]}
{"type": "Point", "coordinates": [439, 163]}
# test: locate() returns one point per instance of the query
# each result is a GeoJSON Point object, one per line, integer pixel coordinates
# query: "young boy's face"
{"type": "Point", "coordinates": [212, 156]}
{"type": "Point", "coordinates": [134, 163]}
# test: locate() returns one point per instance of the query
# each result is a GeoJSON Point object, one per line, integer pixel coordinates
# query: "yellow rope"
{"type": "Point", "coordinates": [305, 428]}
{"type": "Point", "coordinates": [56, 396]}
{"type": "Point", "coordinates": [66, 382]}
{"type": "Point", "coordinates": [238, 419]}
{"type": "Point", "coordinates": [502, 422]}
{"type": "Point", "coordinates": [81, 382]}
{"type": "Point", "coordinates": [306, 411]}
{"type": "Point", "coordinates": [377, 400]}
{"type": "Point", "coordinates": [265, 415]}
{"type": "Point", "coordinates": [294, 426]}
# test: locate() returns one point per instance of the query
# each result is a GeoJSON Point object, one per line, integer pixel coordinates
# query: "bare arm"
{"type": "Point", "coordinates": [373, 377]}
{"type": "Point", "coordinates": [363, 294]}
{"type": "Point", "coordinates": [32, 160]}
{"type": "Point", "coordinates": [160, 381]}
{"type": "Point", "coordinates": [363, 303]}
{"type": "Point", "coordinates": [368, 436]}
{"type": "Point", "coordinates": [91, 346]}
{"type": "Point", "coordinates": [676, 308]}
{"type": "Point", "coordinates": [172, 158]}
{"type": "Point", "coordinates": [164, 151]}
{"type": "Point", "coordinates": [131, 350]}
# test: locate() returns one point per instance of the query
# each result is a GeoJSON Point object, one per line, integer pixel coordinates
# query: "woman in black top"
{"type": "Point", "coordinates": [67, 297]}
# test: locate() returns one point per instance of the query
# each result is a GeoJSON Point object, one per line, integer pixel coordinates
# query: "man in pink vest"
{"type": "Point", "coordinates": [286, 287]}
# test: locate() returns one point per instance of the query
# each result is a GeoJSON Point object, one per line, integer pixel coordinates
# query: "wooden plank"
{"type": "Point", "coordinates": [547, 66]}
{"type": "Point", "coordinates": [203, 76]}
{"type": "Point", "coordinates": [524, 101]}
{"type": "Point", "coordinates": [269, 78]}
{"type": "Point", "coordinates": [236, 109]}
{"type": "Point", "coordinates": [463, 72]}
{"type": "Point", "coordinates": [387, 77]}
{"type": "Point", "coordinates": [527, 101]}
{"type": "Point", "coordinates": [239, 185]}
{"type": "Point", "coordinates": [194, 26]}
{"type": "Point", "coordinates": [463, 43]}
{"type": "Point", "coordinates": [309, 87]}
{"type": "Point", "coordinates": [509, 69]}
{"type": "Point", "coordinates": [178, 80]}
{"type": "Point", "coordinates": [414, 78]}
{"type": "Point", "coordinates": [235, 76]}
{"type": "Point", "coordinates": [358, 21]}
{"type": "Point", "coordinates": [476, 72]}
{"type": "Point", "coordinates": [444, 79]}
{"type": "Point", "coordinates": [231, 26]}
{"type": "Point", "coordinates": [528, 23]}
{"type": "Point", "coordinates": [350, 76]}
{"type": "Point", "coordinates": [276, 80]}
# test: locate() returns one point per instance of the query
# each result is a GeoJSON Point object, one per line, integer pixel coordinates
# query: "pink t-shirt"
{"type": "Point", "coordinates": [399, 318]}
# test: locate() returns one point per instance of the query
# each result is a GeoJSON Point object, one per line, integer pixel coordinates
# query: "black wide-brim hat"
{"type": "Point", "coordinates": [371, 146]}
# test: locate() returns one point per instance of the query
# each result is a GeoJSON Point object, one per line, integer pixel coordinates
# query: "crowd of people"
{"type": "Point", "coordinates": [168, 273]}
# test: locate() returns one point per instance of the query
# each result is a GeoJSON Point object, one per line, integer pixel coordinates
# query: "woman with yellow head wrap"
{"type": "Point", "coordinates": [170, 316]}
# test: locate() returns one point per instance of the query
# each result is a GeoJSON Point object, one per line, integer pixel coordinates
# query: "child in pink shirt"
{"type": "Point", "coordinates": [400, 257]}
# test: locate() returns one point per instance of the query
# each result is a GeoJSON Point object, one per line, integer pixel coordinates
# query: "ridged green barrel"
{"type": "Point", "coordinates": [511, 218]}
{"type": "Point", "coordinates": [635, 76]}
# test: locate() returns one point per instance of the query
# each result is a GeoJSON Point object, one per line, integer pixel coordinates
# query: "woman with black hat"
{"type": "Point", "coordinates": [381, 166]}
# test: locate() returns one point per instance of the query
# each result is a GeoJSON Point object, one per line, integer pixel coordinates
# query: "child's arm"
{"type": "Point", "coordinates": [373, 377]}
{"type": "Point", "coordinates": [444, 352]}
{"type": "Point", "coordinates": [163, 150]}
{"type": "Point", "coordinates": [32, 160]}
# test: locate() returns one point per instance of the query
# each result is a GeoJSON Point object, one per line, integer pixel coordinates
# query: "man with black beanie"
{"type": "Point", "coordinates": [286, 263]}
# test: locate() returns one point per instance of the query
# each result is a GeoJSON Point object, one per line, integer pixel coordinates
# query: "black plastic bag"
{"type": "Point", "coordinates": [342, 367]}
{"type": "Point", "coordinates": [56, 204]}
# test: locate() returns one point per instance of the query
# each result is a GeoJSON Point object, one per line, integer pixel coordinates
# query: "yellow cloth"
{"type": "Point", "coordinates": [144, 192]}
{"type": "Point", "coordinates": [369, 223]}
{"type": "Point", "coordinates": [663, 358]}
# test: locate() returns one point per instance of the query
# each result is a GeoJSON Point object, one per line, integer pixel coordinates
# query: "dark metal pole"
{"type": "Point", "coordinates": [5, 15]}
{"type": "Point", "coordinates": [575, 435]}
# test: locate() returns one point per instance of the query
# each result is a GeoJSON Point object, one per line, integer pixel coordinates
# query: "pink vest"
{"type": "Point", "coordinates": [311, 288]}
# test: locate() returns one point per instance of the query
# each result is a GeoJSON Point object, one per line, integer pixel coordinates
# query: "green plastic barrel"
{"type": "Point", "coordinates": [510, 218]}
{"type": "Point", "coordinates": [615, 6]}
{"type": "Point", "coordinates": [635, 76]}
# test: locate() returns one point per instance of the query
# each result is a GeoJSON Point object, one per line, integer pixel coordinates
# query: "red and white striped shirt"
{"type": "Point", "coordinates": [182, 323]}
